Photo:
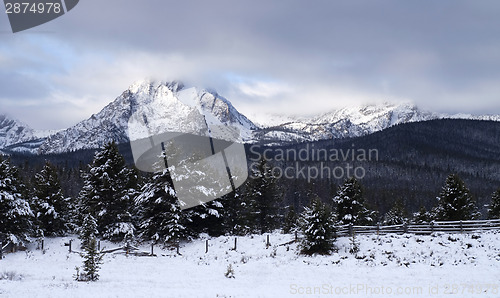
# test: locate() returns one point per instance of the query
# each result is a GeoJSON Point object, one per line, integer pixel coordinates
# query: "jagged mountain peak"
{"type": "Point", "coordinates": [167, 106]}
{"type": "Point", "coordinates": [174, 107]}
{"type": "Point", "coordinates": [13, 131]}
{"type": "Point", "coordinates": [149, 84]}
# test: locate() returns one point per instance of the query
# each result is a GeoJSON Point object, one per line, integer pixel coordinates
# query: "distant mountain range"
{"type": "Point", "coordinates": [14, 132]}
{"type": "Point", "coordinates": [170, 106]}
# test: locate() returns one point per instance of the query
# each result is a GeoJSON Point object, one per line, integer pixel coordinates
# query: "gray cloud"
{"type": "Point", "coordinates": [276, 56]}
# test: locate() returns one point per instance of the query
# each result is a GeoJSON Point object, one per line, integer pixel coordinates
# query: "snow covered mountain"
{"type": "Point", "coordinates": [346, 122]}
{"type": "Point", "coordinates": [14, 132]}
{"type": "Point", "coordinates": [353, 122]}
{"type": "Point", "coordinates": [167, 106]}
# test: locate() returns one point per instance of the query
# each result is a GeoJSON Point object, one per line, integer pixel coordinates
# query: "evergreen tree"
{"type": "Point", "coordinates": [290, 224]}
{"type": "Point", "coordinates": [207, 218]}
{"type": "Point", "coordinates": [350, 204]}
{"type": "Point", "coordinates": [52, 209]}
{"type": "Point", "coordinates": [316, 222]}
{"type": "Point", "coordinates": [92, 262]}
{"type": "Point", "coordinates": [108, 192]}
{"type": "Point", "coordinates": [494, 208]}
{"type": "Point", "coordinates": [231, 214]}
{"type": "Point", "coordinates": [261, 198]}
{"type": "Point", "coordinates": [88, 230]}
{"type": "Point", "coordinates": [16, 215]}
{"type": "Point", "coordinates": [160, 216]}
{"type": "Point", "coordinates": [246, 212]}
{"type": "Point", "coordinates": [239, 213]}
{"type": "Point", "coordinates": [397, 215]}
{"type": "Point", "coordinates": [455, 201]}
{"type": "Point", "coordinates": [422, 216]}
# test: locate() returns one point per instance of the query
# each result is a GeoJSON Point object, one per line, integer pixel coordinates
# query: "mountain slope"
{"type": "Point", "coordinates": [411, 163]}
{"type": "Point", "coordinates": [172, 107]}
{"type": "Point", "coordinates": [165, 106]}
{"type": "Point", "coordinates": [14, 132]}
{"type": "Point", "coordinates": [346, 122]}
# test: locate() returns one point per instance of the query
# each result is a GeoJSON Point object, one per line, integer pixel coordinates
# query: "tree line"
{"type": "Point", "coordinates": [118, 203]}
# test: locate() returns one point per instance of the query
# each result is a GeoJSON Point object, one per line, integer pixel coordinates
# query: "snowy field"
{"type": "Point", "coordinates": [441, 265]}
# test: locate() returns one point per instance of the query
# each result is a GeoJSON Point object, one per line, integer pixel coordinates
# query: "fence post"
{"type": "Point", "coordinates": [405, 227]}
{"type": "Point", "coordinates": [99, 245]}
{"type": "Point", "coordinates": [235, 242]}
{"type": "Point", "coordinates": [178, 244]}
{"type": "Point", "coordinates": [152, 248]}
{"type": "Point", "coordinates": [1, 250]}
{"type": "Point", "coordinates": [42, 244]}
{"type": "Point", "coordinates": [296, 236]}
{"type": "Point", "coordinates": [70, 240]}
{"type": "Point", "coordinates": [267, 242]}
{"type": "Point", "coordinates": [206, 246]}
{"type": "Point", "coordinates": [378, 229]}
{"type": "Point", "coordinates": [351, 230]}
{"type": "Point", "coordinates": [432, 227]}
{"type": "Point", "coordinates": [461, 227]}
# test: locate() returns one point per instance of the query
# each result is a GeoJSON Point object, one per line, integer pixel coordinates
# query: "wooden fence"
{"type": "Point", "coordinates": [462, 226]}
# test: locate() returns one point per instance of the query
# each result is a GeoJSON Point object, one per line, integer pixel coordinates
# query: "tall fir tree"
{"type": "Point", "coordinates": [291, 220]}
{"type": "Point", "coordinates": [16, 216]}
{"type": "Point", "coordinates": [317, 225]}
{"type": "Point", "coordinates": [52, 209]}
{"type": "Point", "coordinates": [160, 216]}
{"type": "Point", "coordinates": [455, 201]}
{"type": "Point", "coordinates": [108, 193]}
{"type": "Point", "coordinates": [494, 208]}
{"type": "Point", "coordinates": [92, 261]}
{"type": "Point", "coordinates": [261, 198]}
{"type": "Point", "coordinates": [350, 204]}
{"type": "Point", "coordinates": [236, 220]}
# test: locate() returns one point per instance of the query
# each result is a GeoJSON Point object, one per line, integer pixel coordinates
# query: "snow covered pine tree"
{"type": "Point", "coordinates": [92, 260]}
{"type": "Point", "coordinates": [261, 197]}
{"type": "Point", "coordinates": [455, 201]}
{"type": "Point", "coordinates": [160, 216]}
{"type": "Point", "coordinates": [88, 230]}
{"type": "Point", "coordinates": [494, 208]}
{"type": "Point", "coordinates": [15, 213]}
{"type": "Point", "coordinates": [350, 204]}
{"type": "Point", "coordinates": [397, 215]}
{"type": "Point", "coordinates": [422, 216]}
{"type": "Point", "coordinates": [108, 192]}
{"type": "Point", "coordinates": [290, 222]}
{"type": "Point", "coordinates": [51, 208]}
{"type": "Point", "coordinates": [317, 225]}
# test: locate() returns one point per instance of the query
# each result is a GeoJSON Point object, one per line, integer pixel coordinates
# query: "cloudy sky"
{"type": "Point", "coordinates": [285, 57]}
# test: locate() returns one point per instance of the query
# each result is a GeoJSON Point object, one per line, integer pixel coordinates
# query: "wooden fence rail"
{"type": "Point", "coordinates": [462, 226]}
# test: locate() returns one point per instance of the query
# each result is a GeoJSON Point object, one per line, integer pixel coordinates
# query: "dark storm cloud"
{"type": "Point", "coordinates": [443, 55]}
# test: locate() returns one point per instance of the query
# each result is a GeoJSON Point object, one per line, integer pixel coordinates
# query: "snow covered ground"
{"type": "Point", "coordinates": [442, 265]}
